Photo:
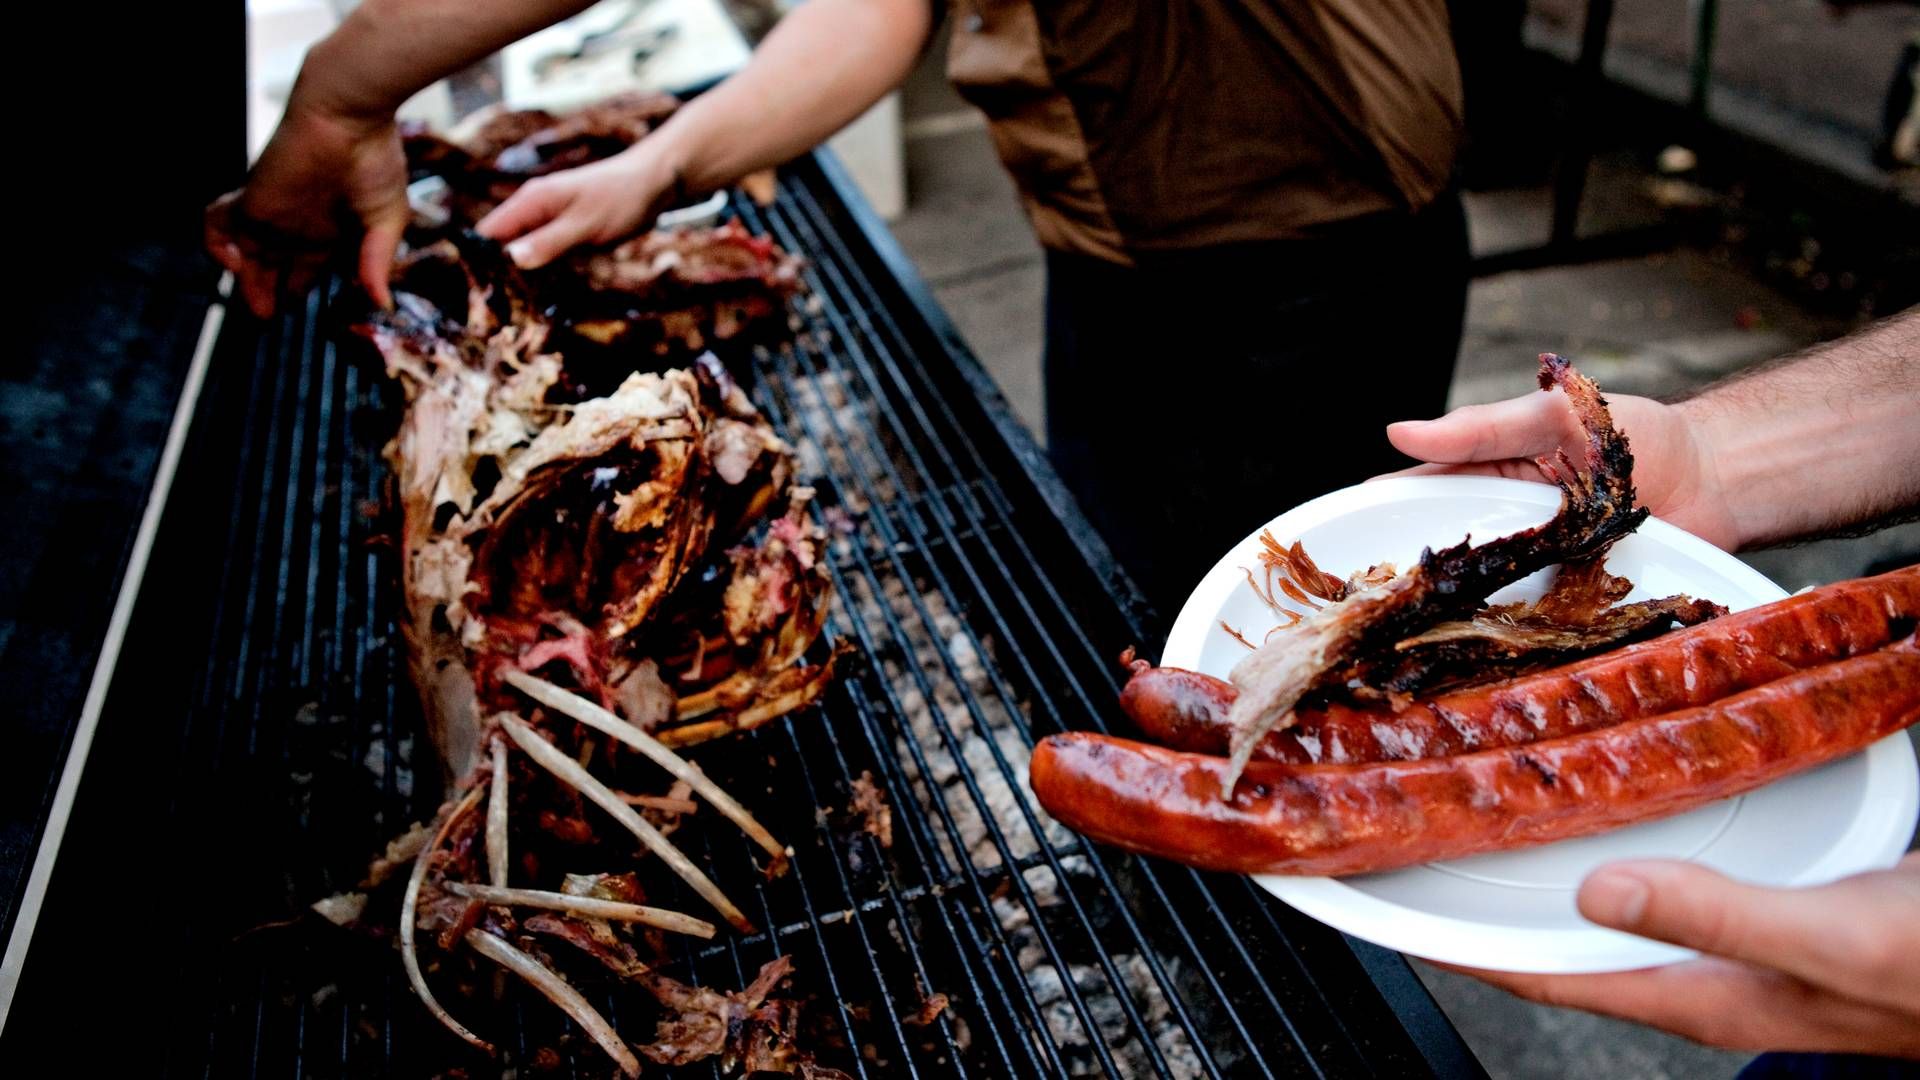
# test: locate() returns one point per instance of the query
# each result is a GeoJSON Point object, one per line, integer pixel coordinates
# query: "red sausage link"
{"type": "Point", "coordinates": [1186, 710]}
{"type": "Point", "coordinates": [1350, 819]}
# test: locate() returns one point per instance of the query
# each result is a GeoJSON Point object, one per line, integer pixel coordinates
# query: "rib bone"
{"type": "Point", "coordinates": [589, 907]}
{"type": "Point", "coordinates": [410, 904]}
{"type": "Point", "coordinates": [579, 708]}
{"type": "Point", "coordinates": [497, 818]}
{"type": "Point", "coordinates": [571, 772]}
{"type": "Point", "coordinates": [545, 980]}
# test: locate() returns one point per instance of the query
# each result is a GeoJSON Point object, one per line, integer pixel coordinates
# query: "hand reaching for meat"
{"type": "Point", "coordinates": [324, 173]}
{"type": "Point", "coordinates": [598, 203]}
{"type": "Point", "coordinates": [1821, 969]}
{"type": "Point", "coordinates": [1674, 472]}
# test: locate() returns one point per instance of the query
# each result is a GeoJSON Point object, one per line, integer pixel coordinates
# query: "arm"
{"type": "Point", "coordinates": [826, 62]}
{"type": "Point", "coordinates": [1819, 442]}
{"type": "Point", "coordinates": [1824, 441]}
{"type": "Point", "coordinates": [336, 158]}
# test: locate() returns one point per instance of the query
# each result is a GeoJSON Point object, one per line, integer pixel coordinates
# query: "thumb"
{"type": "Point", "coordinates": [537, 202]}
{"type": "Point", "coordinates": [550, 241]}
{"type": "Point", "coordinates": [1521, 427]}
{"type": "Point", "coordinates": [1847, 936]}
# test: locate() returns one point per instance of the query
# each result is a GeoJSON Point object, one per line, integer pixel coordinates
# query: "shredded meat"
{"type": "Point", "coordinates": [484, 166]}
{"type": "Point", "coordinates": [1597, 509]}
{"type": "Point", "coordinates": [547, 536]}
{"type": "Point", "coordinates": [870, 806]}
{"type": "Point", "coordinates": [930, 1010]}
{"type": "Point", "coordinates": [744, 1027]}
{"type": "Point", "coordinates": [1573, 619]}
{"type": "Point", "coordinates": [667, 294]}
{"type": "Point", "coordinates": [593, 937]}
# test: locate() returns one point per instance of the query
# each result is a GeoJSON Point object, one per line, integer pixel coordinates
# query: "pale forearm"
{"type": "Point", "coordinates": [826, 63]}
{"type": "Point", "coordinates": [388, 50]}
{"type": "Point", "coordinates": [1825, 441]}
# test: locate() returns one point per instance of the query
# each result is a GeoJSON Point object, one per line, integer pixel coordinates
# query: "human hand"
{"type": "Point", "coordinates": [1835, 968]}
{"type": "Point", "coordinates": [324, 172]}
{"type": "Point", "coordinates": [598, 203]}
{"type": "Point", "coordinates": [1673, 468]}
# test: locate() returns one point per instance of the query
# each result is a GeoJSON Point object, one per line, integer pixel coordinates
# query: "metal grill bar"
{"type": "Point", "coordinates": [1095, 710]}
{"type": "Point", "coordinates": [1008, 701]}
{"type": "Point", "coordinates": [813, 241]}
{"type": "Point", "coordinates": [272, 687]}
{"type": "Point", "coordinates": [928, 693]}
{"type": "Point", "coordinates": [800, 236]}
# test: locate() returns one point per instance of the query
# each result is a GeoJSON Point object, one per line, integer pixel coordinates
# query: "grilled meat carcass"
{"type": "Point", "coordinates": [653, 302]}
{"type": "Point", "coordinates": [503, 150]}
{"type": "Point", "coordinates": [1369, 617]}
{"type": "Point", "coordinates": [670, 294]}
{"type": "Point", "coordinates": [539, 532]}
{"type": "Point", "coordinates": [728, 648]}
{"type": "Point", "coordinates": [590, 579]}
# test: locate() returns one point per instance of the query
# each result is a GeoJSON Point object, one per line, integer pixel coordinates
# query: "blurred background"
{"type": "Point", "coordinates": [1665, 192]}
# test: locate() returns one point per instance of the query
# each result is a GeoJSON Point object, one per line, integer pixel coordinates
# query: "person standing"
{"type": "Point", "coordinates": [1255, 256]}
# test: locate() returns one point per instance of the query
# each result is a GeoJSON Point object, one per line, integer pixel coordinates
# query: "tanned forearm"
{"type": "Point", "coordinates": [1821, 442]}
{"type": "Point", "coordinates": [826, 62]}
{"type": "Point", "coordinates": [388, 50]}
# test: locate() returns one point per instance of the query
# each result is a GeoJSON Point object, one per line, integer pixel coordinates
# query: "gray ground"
{"type": "Point", "coordinates": [1656, 325]}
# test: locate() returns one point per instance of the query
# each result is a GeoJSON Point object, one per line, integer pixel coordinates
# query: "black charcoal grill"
{"type": "Point", "coordinates": [260, 742]}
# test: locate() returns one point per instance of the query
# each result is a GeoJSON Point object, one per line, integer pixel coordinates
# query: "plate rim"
{"type": "Point", "coordinates": [1893, 774]}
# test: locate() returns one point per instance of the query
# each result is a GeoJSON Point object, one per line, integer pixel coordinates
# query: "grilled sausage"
{"type": "Point", "coordinates": [1186, 710]}
{"type": "Point", "coordinates": [1350, 819]}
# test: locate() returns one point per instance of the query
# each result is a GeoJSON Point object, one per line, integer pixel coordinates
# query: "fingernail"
{"type": "Point", "coordinates": [518, 253]}
{"type": "Point", "coordinates": [1614, 898]}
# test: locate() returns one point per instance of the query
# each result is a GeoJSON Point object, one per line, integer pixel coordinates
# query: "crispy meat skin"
{"type": "Point", "coordinates": [537, 531]}
{"type": "Point", "coordinates": [671, 293]}
{"type": "Point", "coordinates": [1596, 510]}
{"type": "Point", "coordinates": [483, 167]}
{"type": "Point", "coordinates": [656, 300]}
{"type": "Point", "coordinates": [1575, 618]}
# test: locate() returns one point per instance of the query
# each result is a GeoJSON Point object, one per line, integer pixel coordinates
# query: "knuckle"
{"type": "Point", "coordinates": [1718, 928]}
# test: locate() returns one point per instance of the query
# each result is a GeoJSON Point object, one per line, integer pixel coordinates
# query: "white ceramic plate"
{"type": "Point", "coordinates": [1514, 911]}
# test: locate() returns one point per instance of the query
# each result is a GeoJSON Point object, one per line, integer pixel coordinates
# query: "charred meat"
{"type": "Point", "coordinates": [1366, 619]}
{"type": "Point", "coordinates": [484, 165]}
{"type": "Point", "coordinates": [595, 569]}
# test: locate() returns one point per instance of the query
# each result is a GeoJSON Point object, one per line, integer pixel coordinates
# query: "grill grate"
{"type": "Point", "coordinates": [260, 742]}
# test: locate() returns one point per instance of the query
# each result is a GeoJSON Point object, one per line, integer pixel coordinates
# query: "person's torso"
{"type": "Point", "coordinates": [1136, 127]}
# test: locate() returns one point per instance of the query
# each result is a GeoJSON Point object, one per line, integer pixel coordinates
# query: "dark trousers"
{"type": "Point", "coordinates": [1195, 395]}
{"type": "Point", "coordinates": [1828, 1067]}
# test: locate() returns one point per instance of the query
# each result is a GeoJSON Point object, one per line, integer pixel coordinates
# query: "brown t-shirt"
{"type": "Point", "coordinates": [1136, 126]}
